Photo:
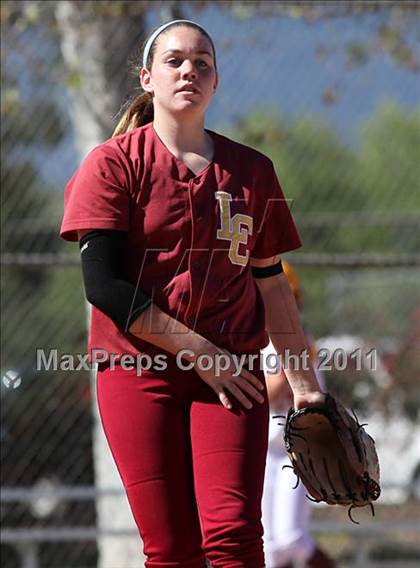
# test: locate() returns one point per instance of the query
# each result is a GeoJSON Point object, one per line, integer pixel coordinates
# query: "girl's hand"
{"type": "Point", "coordinates": [227, 381]}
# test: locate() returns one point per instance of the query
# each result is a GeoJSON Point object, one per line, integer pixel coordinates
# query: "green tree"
{"type": "Point", "coordinates": [389, 174]}
{"type": "Point", "coordinates": [315, 169]}
{"type": "Point", "coordinates": [345, 200]}
{"type": "Point", "coordinates": [389, 163]}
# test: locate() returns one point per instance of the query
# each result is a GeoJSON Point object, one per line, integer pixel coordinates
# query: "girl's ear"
{"type": "Point", "coordinates": [216, 82]}
{"type": "Point", "coordinates": [146, 80]}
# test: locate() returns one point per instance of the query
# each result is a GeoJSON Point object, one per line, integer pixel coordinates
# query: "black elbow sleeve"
{"type": "Point", "coordinates": [105, 288]}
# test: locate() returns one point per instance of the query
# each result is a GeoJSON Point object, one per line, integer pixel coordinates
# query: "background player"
{"type": "Point", "coordinates": [170, 218]}
{"type": "Point", "coordinates": [285, 509]}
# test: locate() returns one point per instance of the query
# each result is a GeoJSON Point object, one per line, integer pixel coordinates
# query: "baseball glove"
{"type": "Point", "coordinates": [333, 455]}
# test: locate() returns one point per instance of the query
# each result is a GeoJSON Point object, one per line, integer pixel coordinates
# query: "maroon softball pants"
{"type": "Point", "coordinates": [193, 471]}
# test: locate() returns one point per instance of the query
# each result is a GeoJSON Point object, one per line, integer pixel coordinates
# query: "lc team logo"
{"type": "Point", "coordinates": [235, 229]}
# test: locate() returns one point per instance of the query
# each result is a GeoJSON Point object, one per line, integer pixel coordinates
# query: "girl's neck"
{"type": "Point", "coordinates": [182, 136]}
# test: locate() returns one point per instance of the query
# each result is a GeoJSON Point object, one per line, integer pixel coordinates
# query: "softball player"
{"type": "Point", "coordinates": [181, 232]}
{"type": "Point", "coordinates": [285, 508]}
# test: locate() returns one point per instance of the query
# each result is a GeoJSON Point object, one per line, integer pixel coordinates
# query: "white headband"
{"type": "Point", "coordinates": [160, 30]}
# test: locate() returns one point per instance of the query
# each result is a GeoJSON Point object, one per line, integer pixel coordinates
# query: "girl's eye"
{"type": "Point", "coordinates": [175, 62]}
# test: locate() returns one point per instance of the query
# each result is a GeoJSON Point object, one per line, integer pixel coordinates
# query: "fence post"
{"type": "Point", "coordinates": [29, 554]}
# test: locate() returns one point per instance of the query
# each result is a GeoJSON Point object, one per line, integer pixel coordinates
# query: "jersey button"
{"type": "Point", "coordinates": [196, 181]}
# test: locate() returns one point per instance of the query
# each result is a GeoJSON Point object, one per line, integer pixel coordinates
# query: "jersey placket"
{"type": "Point", "coordinates": [199, 255]}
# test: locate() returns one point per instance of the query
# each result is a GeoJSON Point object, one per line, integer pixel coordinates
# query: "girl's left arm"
{"type": "Point", "coordinates": [284, 327]}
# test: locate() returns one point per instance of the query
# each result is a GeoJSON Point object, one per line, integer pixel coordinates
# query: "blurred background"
{"type": "Point", "coordinates": [330, 91]}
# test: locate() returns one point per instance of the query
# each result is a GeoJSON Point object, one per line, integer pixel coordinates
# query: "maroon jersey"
{"type": "Point", "coordinates": [190, 237]}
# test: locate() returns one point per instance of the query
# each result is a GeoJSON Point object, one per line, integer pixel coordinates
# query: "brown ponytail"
{"type": "Point", "coordinates": [139, 112]}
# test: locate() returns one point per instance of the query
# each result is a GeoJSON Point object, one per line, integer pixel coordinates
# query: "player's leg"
{"type": "Point", "coordinates": [229, 451]}
{"type": "Point", "coordinates": [276, 556]}
{"type": "Point", "coordinates": [286, 516]}
{"type": "Point", "coordinates": [290, 531]}
{"type": "Point", "coordinates": [147, 428]}
{"type": "Point", "coordinates": [267, 505]}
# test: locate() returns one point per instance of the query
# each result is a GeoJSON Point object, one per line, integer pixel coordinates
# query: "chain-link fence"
{"type": "Point", "coordinates": [330, 93]}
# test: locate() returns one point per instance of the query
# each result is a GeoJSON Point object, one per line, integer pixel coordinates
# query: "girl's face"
{"type": "Point", "coordinates": [183, 78]}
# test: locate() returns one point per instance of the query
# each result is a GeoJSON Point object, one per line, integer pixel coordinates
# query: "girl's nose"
{"type": "Point", "coordinates": [188, 69]}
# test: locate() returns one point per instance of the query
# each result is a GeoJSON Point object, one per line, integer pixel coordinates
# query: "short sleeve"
{"type": "Point", "coordinates": [277, 232]}
{"type": "Point", "coordinates": [97, 196]}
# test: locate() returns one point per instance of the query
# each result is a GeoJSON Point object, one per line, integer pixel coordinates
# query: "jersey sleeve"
{"type": "Point", "coordinates": [277, 232]}
{"type": "Point", "coordinates": [98, 194]}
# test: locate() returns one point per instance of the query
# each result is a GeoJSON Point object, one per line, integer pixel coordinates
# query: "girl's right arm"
{"type": "Point", "coordinates": [105, 288]}
{"type": "Point", "coordinates": [157, 327]}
